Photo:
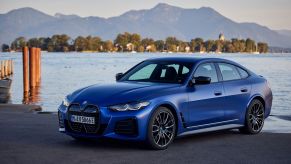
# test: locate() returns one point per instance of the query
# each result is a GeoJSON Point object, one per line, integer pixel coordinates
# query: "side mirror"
{"type": "Point", "coordinates": [118, 76]}
{"type": "Point", "coordinates": [201, 80]}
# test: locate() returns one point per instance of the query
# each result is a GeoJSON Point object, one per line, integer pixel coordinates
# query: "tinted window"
{"type": "Point", "coordinates": [228, 71]}
{"type": "Point", "coordinates": [159, 71]}
{"type": "Point", "coordinates": [207, 70]}
{"type": "Point", "coordinates": [144, 73]}
{"type": "Point", "coordinates": [243, 73]}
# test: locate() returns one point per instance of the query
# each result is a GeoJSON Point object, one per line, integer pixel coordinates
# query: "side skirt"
{"type": "Point", "coordinates": [228, 126]}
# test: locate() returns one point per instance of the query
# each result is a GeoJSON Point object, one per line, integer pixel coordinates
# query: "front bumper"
{"type": "Point", "coordinates": [128, 125]}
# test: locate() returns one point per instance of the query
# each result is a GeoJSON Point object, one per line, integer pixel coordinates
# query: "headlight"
{"type": "Point", "coordinates": [129, 106]}
{"type": "Point", "coordinates": [66, 102]}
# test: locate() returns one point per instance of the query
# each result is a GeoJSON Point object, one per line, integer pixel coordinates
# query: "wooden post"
{"type": "Point", "coordinates": [2, 69]}
{"type": "Point", "coordinates": [39, 64]}
{"type": "Point", "coordinates": [8, 67]}
{"type": "Point", "coordinates": [12, 67]}
{"type": "Point", "coordinates": [10, 63]}
{"type": "Point", "coordinates": [32, 67]}
{"type": "Point", "coordinates": [36, 66]}
{"type": "Point", "coordinates": [5, 68]}
{"type": "Point", "coordinates": [25, 70]}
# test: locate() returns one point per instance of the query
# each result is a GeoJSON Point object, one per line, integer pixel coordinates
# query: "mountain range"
{"type": "Point", "coordinates": [159, 22]}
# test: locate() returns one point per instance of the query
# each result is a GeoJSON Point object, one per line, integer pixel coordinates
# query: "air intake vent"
{"type": "Point", "coordinates": [126, 127]}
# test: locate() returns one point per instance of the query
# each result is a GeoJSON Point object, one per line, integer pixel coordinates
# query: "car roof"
{"type": "Point", "coordinates": [190, 59]}
{"type": "Point", "coordinates": [196, 60]}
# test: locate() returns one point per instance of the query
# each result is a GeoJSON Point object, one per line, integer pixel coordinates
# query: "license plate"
{"type": "Point", "coordinates": [83, 119]}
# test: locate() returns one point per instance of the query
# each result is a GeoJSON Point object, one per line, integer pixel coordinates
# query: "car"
{"type": "Point", "coordinates": [163, 98]}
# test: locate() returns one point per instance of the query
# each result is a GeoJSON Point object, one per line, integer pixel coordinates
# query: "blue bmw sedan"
{"type": "Point", "coordinates": [163, 98]}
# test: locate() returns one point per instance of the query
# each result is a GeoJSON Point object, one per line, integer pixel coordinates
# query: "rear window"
{"type": "Point", "coordinates": [228, 72]}
{"type": "Point", "coordinates": [244, 74]}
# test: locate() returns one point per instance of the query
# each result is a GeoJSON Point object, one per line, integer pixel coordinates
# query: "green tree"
{"type": "Point", "coordinates": [18, 44]}
{"type": "Point", "coordinates": [229, 47]}
{"type": "Point", "coordinates": [182, 46]}
{"type": "Point", "coordinates": [171, 44]}
{"type": "Point", "coordinates": [92, 43]}
{"type": "Point", "coordinates": [108, 46]}
{"type": "Point", "coordinates": [263, 47]}
{"type": "Point", "coordinates": [135, 39]}
{"type": "Point", "coordinates": [140, 49]}
{"type": "Point", "coordinates": [239, 45]}
{"type": "Point", "coordinates": [80, 43]}
{"type": "Point", "coordinates": [209, 45]}
{"type": "Point", "coordinates": [199, 44]}
{"type": "Point", "coordinates": [160, 45]}
{"type": "Point", "coordinates": [193, 45]}
{"type": "Point", "coordinates": [122, 40]}
{"type": "Point", "coordinates": [34, 42]}
{"type": "Point", "coordinates": [218, 45]}
{"type": "Point", "coordinates": [60, 42]}
{"type": "Point", "coordinates": [5, 48]}
{"type": "Point", "coordinates": [250, 45]}
{"type": "Point", "coordinates": [147, 41]}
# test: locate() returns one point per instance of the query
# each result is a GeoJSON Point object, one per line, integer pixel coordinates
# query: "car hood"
{"type": "Point", "coordinates": [120, 92]}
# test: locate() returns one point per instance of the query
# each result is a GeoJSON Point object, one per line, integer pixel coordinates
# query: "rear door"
{"type": "Point", "coordinates": [206, 101]}
{"type": "Point", "coordinates": [237, 90]}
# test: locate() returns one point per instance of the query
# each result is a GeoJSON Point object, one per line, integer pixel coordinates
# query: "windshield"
{"type": "Point", "coordinates": [159, 71]}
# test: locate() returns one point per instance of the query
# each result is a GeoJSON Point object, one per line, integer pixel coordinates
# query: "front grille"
{"type": "Point", "coordinates": [89, 111]}
{"type": "Point", "coordinates": [126, 127]}
{"type": "Point", "coordinates": [75, 109]}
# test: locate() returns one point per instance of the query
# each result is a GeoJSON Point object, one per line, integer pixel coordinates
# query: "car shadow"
{"type": "Point", "coordinates": [112, 144]}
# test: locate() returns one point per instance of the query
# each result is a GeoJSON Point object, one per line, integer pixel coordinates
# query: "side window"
{"type": "Point", "coordinates": [244, 74]}
{"type": "Point", "coordinates": [208, 70]}
{"type": "Point", "coordinates": [144, 73]}
{"type": "Point", "coordinates": [185, 70]}
{"type": "Point", "coordinates": [176, 66]}
{"type": "Point", "coordinates": [228, 72]}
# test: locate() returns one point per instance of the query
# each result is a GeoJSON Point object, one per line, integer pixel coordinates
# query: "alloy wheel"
{"type": "Point", "coordinates": [256, 117]}
{"type": "Point", "coordinates": [163, 128]}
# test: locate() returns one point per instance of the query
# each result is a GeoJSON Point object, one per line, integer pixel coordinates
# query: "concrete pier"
{"type": "Point", "coordinates": [27, 137]}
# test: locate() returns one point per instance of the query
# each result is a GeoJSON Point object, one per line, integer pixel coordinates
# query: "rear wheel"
{"type": "Point", "coordinates": [254, 119]}
{"type": "Point", "coordinates": [161, 129]}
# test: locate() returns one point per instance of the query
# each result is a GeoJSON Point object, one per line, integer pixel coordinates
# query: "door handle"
{"type": "Point", "coordinates": [244, 90]}
{"type": "Point", "coordinates": [217, 93]}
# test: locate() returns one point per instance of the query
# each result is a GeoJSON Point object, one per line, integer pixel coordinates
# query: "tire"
{"type": "Point", "coordinates": [161, 129]}
{"type": "Point", "coordinates": [254, 118]}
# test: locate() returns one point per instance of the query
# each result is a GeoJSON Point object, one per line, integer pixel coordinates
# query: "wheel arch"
{"type": "Point", "coordinates": [173, 109]}
{"type": "Point", "coordinates": [258, 97]}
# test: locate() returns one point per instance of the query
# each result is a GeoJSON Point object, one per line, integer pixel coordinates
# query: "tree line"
{"type": "Point", "coordinates": [127, 42]}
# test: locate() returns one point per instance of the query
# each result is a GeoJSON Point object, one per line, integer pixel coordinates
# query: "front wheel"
{"type": "Point", "coordinates": [254, 119]}
{"type": "Point", "coordinates": [161, 129]}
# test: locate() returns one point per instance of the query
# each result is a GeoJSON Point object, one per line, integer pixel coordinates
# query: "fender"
{"type": "Point", "coordinates": [180, 127]}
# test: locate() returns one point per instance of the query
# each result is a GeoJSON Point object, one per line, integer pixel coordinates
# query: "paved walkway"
{"type": "Point", "coordinates": [27, 137]}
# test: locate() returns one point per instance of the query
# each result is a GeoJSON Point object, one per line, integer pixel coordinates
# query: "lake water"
{"type": "Point", "coordinates": [63, 73]}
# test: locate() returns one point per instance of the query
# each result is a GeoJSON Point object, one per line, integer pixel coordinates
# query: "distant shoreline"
{"type": "Point", "coordinates": [130, 53]}
{"type": "Point", "coordinates": [133, 42]}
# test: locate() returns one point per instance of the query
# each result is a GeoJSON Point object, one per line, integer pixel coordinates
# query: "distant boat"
{"type": "Point", "coordinates": [5, 85]}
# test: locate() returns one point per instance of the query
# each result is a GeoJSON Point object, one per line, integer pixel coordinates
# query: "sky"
{"type": "Point", "coordinates": [274, 14]}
